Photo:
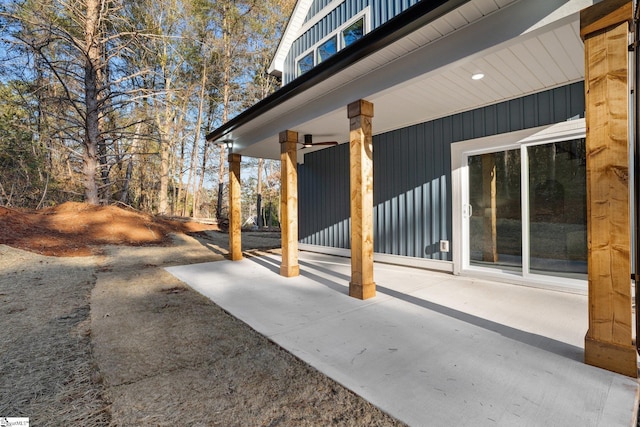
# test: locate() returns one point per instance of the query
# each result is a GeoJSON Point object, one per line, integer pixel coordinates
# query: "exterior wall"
{"type": "Point", "coordinates": [381, 11]}
{"type": "Point", "coordinates": [316, 7]}
{"type": "Point", "coordinates": [412, 175]}
{"type": "Point", "coordinates": [323, 198]}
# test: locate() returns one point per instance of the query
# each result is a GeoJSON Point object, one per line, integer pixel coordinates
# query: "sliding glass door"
{"type": "Point", "coordinates": [525, 209]}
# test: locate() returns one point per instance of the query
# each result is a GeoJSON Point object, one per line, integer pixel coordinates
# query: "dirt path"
{"type": "Point", "coordinates": [158, 353]}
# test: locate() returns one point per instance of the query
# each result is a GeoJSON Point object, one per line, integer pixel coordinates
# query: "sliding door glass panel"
{"type": "Point", "coordinates": [557, 208]}
{"type": "Point", "coordinates": [495, 222]}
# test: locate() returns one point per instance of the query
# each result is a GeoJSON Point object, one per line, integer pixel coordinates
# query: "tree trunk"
{"type": "Point", "coordinates": [164, 175]}
{"type": "Point", "coordinates": [179, 167]}
{"type": "Point", "coordinates": [124, 197]}
{"type": "Point", "coordinates": [199, 190]}
{"type": "Point", "coordinates": [104, 164]}
{"type": "Point", "coordinates": [165, 143]}
{"type": "Point", "coordinates": [226, 98]}
{"type": "Point", "coordinates": [92, 120]}
{"type": "Point", "coordinates": [192, 171]}
{"type": "Point", "coordinates": [197, 187]}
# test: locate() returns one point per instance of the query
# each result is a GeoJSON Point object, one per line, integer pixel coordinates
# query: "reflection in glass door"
{"type": "Point", "coordinates": [558, 208]}
{"type": "Point", "coordinates": [527, 209]}
{"type": "Point", "coordinates": [495, 219]}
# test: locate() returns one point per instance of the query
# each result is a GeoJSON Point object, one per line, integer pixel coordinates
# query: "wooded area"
{"type": "Point", "coordinates": [108, 101]}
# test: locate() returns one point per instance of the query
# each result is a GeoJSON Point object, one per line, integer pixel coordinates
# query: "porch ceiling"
{"type": "Point", "coordinates": [521, 47]}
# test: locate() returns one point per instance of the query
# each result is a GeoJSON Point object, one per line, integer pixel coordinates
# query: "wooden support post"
{"type": "Point", "coordinates": [490, 237]}
{"type": "Point", "coordinates": [361, 165]}
{"type": "Point", "coordinates": [289, 203]}
{"type": "Point", "coordinates": [604, 28]}
{"type": "Point", "coordinates": [235, 214]}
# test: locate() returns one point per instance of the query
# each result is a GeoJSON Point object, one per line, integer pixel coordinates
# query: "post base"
{"type": "Point", "coordinates": [235, 257]}
{"type": "Point", "coordinates": [612, 357]}
{"type": "Point", "coordinates": [289, 270]}
{"type": "Point", "coordinates": [362, 291]}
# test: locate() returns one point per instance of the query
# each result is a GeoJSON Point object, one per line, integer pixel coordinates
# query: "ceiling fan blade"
{"type": "Point", "coordinates": [326, 143]}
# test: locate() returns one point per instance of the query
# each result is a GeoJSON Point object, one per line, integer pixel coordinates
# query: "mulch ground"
{"type": "Point", "coordinates": [79, 229]}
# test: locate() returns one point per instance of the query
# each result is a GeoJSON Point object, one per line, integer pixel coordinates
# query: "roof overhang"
{"type": "Point", "coordinates": [290, 33]}
{"type": "Point", "coordinates": [418, 67]}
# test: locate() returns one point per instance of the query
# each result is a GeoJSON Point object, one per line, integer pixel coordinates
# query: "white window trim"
{"type": "Point", "coordinates": [563, 131]}
{"type": "Point", "coordinates": [364, 13]}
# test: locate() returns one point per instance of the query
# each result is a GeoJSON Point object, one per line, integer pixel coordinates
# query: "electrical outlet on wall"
{"type": "Point", "coordinates": [444, 246]}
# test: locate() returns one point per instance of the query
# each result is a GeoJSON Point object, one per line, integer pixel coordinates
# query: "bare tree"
{"type": "Point", "coordinates": [116, 93]}
{"type": "Point", "coordinates": [75, 42]}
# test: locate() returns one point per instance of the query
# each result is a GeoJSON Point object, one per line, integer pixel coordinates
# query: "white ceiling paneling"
{"type": "Point", "coordinates": [503, 3]}
{"type": "Point", "coordinates": [488, 6]}
{"type": "Point", "coordinates": [398, 50]}
{"type": "Point", "coordinates": [443, 26]}
{"type": "Point", "coordinates": [518, 72]}
{"type": "Point", "coordinates": [501, 74]}
{"type": "Point", "coordinates": [541, 55]}
{"type": "Point", "coordinates": [461, 89]}
{"type": "Point", "coordinates": [568, 35]}
{"type": "Point", "coordinates": [484, 88]}
{"type": "Point", "coordinates": [456, 19]}
{"type": "Point", "coordinates": [521, 52]}
{"type": "Point", "coordinates": [414, 42]}
{"type": "Point", "coordinates": [470, 12]}
{"type": "Point", "coordinates": [421, 38]}
{"type": "Point", "coordinates": [494, 79]}
{"type": "Point", "coordinates": [429, 33]}
{"type": "Point", "coordinates": [554, 47]}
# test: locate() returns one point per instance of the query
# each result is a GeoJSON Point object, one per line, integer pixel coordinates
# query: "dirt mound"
{"type": "Point", "coordinates": [77, 229]}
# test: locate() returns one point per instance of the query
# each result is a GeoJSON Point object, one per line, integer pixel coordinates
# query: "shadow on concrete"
{"type": "Point", "coordinates": [265, 262]}
{"type": "Point", "coordinates": [548, 344]}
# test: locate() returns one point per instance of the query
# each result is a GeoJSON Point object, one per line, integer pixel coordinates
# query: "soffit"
{"type": "Point", "coordinates": [522, 47]}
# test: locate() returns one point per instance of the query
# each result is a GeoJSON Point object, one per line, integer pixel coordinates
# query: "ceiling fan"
{"type": "Point", "coordinates": [308, 142]}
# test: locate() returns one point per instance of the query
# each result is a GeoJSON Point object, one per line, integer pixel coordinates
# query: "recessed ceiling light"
{"type": "Point", "coordinates": [477, 76]}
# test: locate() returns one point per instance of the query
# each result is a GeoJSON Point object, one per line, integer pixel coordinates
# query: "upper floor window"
{"type": "Point", "coordinates": [305, 63]}
{"type": "Point", "coordinates": [353, 32]}
{"type": "Point", "coordinates": [342, 37]}
{"type": "Point", "coordinates": [327, 49]}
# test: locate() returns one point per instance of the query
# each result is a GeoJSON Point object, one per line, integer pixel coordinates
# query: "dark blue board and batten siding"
{"type": "Point", "coordinates": [381, 11]}
{"type": "Point", "coordinates": [412, 175]}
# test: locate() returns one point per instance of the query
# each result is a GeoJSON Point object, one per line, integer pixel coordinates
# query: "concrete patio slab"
{"type": "Point", "coordinates": [431, 349]}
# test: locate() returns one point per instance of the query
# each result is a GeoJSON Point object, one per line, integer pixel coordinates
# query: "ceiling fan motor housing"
{"type": "Point", "coordinates": [308, 140]}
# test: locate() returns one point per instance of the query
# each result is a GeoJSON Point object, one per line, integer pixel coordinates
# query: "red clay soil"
{"type": "Point", "coordinates": [78, 229]}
